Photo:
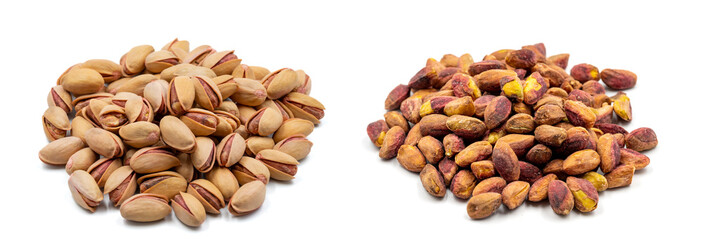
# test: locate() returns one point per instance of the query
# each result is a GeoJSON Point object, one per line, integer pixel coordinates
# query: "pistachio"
{"type": "Point", "coordinates": [434, 125]}
{"type": "Point", "coordinates": [207, 94]}
{"type": "Point", "coordinates": [153, 159]}
{"type": "Point", "coordinates": [528, 172]}
{"type": "Point", "coordinates": [85, 191]}
{"type": "Point", "coordinates": [104, 143]}
{"type": "Point", "coordinates": [539, 154]}
{"type": "Point", "coordinates": [277, 105]}
{"type": "Point", "coordinates": [539, 189]}
{"type": "Point", "coordinates": [396, 97]}
{"type": "Point", "coordinates": [463, 85]}
{"type": "Point", "coordinates": [621, 176]}
{"type": "Point", "coordinates": [280, 82]}
{"type": "Point", "coordinates": [224, 180]}
{"type": "Point", "coordinates": [249, 92]}
{"type": "Point", "coordinates": [304, 84]}
{"type": "Point", "coordinates": [208, 194]}
{"type": "Point", "coordinates": [188, 209]}
{"type": "Point", "coordinates": [513, 88]}
{"type": "Point", "coordinates": [414, 135]}
{"type": "Point", "coordinates": [248, 198]}
{"type": "Point", "coordinates": [448, 169]}
{"type": "Point", "coordinates": [221, 62]}
{"type": "Point", "coordinates": [497, 112]}
{"type": "Point", "coordinates": [479, 67]}
{"type": "Point", "coordinates": [81, 160]}
{"type": "Point", "coordinates": [109, 70]}
{"type": "Point", "coordinates": [493, 184]}
{"type": "Point", "coordinates": [550, 135]}
{"type": "Point", "coordinates": [296, 146]}
{"type": "Point", "coordinates": [226, 85]}
{"type": "Point", "coordinates": [534, 88]}
{"type": "Point", "coordinates": [598, 181]}
{"type": "Point", "coordinates": [176, 134]}
{"type": "Point", "coordinates": [254, 144]}
{"type": "Point", "coordinates": [134, 61]}
{"type": "Point", "coordinates": [281, 166]}
{"type": "Point", "coordinates": [395, 118]}
{"type": "Point", "coordinates": [584, 193]}
{"type": "Point", "coordinates": [392, 142]}
{"type": "Point", "coordinates": [622, 106]}
{"type": "Point", "coordinates": [506, 162]}
{"type": "Point", "coordinates": [433, 181]}
{"type": "Point", "coordinates": [520, 123]}
{"type": "Point", "coordinates": [200, 122]}
{"type": "Point", "coordinates": [145, 207]}
{"type": "Point", "coordinates": [560, 197]}
{"type": "Point", "coordinates": [82, 81]}
{"type": "Point", "coordinates": [434, 105]}
{"type": "Point", "coordinates": [249, 169]}
{"type": "Point", "coordinates": [181, 95]}
{"type": "Point", "coordinates": [186, 168]}
{"type": "Point", "coordinates": [579, 114]}
{"type": "Point", "coordinates": [178, 47]}
{"type": "Point", "coordinates": [431, 148]}
{"type": "Point", "coordinates": [264, 122]}
{"type": "Point", "coordinates": [112, 118]}
{"type": "Point", "coordinates": [304, 106]}
{"type": "Point", "coordinates": [410, 109]}
{"type": "Point", "coordinates": [463, 184]}
{"type": "Point", "coordinates": [203, 156]}
{"type": "Point", "coordinates": [519, 143]}
{"type": "Point", "coordinates": [79, 126]}
{"type": "Point", "coordinates": [198, 54]}
{"type": "Point", "coordinates": [140, 134]}
{"type": "Point", "coordinates": [581, 162]}
{"type": "Point", "coordinates": [243, 71]}
{"type": "Point", "coordinates": [59, 97]}
{"type": "Point", "coordinates": [483, 205]}
{"type": "Point", "coordinates": [135, 85]}
{"type": "Point", "coordinates": [460, 106]}
{"type": "Point", "coordinates": [187, 70]}
{"type": "Point", "coordinates": [631, 157]}
{"type": "Point", "coordinates": [157, 61]}
{"type": "Point", "coordinates": [121, 185]}
{"type": "Point", "coordinates": [609, 152]}
{"type": "Point", "coordinates": [514, 194]}
{"type": "Point", "coordinates": [489, 80]}
{"type": "Point", "coordinates": [618, 79]}
{"type": "Point", "coordinates": [103, 168]}
{"type": "Point", "coordinates": [483, 169]}
{"type": "Point", "coordinates": [230, 150]}
{"type": "Point", "coordinates": [167, 184]}
{"type": "Point", "coordinates": [474, 152]}
{"type": "Point", "coordinates": [641, 139]}
{"type": "Point", "coordinates": [411, 158]}
{"type": "Point", "coordinates": [56, 123]}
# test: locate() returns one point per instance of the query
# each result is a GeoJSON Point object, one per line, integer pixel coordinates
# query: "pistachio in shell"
{"type": "Point", "coordinates": [165, 183]}
{"type": "Point", "coordinates": [59, 97]}
{"type": "Point", "coordinates": [224, 179]}
{"type": "Point", "coordinates": [85, 191]}
{"type": "Point", "coordinates": [249, 169]}
{"type": "Point", "coordinates": [83, 81]}
{"type": "Point", "coordinates": [208, 194]}
{"type": "Point", "coordinates": [249, 92]}
{"type": "Point", "coordinates": [304, 106]}
{"type": "Point", "coordinates": [56, 123]}
{"type": "Point", "coordinates": [181, 95]}
{"type": "Point", "coordinates": [140, 134]}
{"type": "Point", "coordinates": [145, 207]}
{"type": "Point", "coordinates": [104, 142]}
{"type": "Point", "coordinates": [134, 61]}
{"type": "Point", "coordinates": [58, 152]}
{"type": "Point", "coordinates": [230, 150]}
{"type": "Point", "coordinates": [207, 94]}
{"type": "Point", "coordinates": [156, 93]}
{"type": "Point", "coordinates": [296, 146]}
{"type": "Point", "coordinates": [157, 61]}
{"type": "Point", "coordinates": [280, 82]}
{"type": "Point", "coordinates": [292, 127]}
{"type": "Point", "coordinates": [188, 209]}
{"type": "Point", "coordinates": [121, 185]}
{"type": "Point", "coordinates": [282, 166]}
{"type": "Point", "coordinates": [203, 156]}
{"type": "Point", "coordinates": [103, 168]}
{"type": "Point", "coordinates": [221, 62]}
{"type": "Point", "coordinates": [81, 160]}
{"type": "Point", "coordinates": [248, 198]}
{"type": "Point", "coordinates": [176, 134]}
{"type": "Point", "coordinates": [264, 122]}
{"type": "Point", "coordinates": [153, 159]}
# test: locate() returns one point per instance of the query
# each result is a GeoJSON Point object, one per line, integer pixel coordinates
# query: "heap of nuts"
{"type": "Point", "coordinates": [512, 127]}
{"type": "Point", "coordinates": [195, 128]}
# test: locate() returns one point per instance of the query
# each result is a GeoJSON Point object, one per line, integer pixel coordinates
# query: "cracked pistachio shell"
{"type": "Point", "coordinates": [203, 156]}
{"type": "Point", "coordinates": [138, 110]}
{"type": "Point", "coordinates": [103, 168]}
{"type": "Point", "coordinates": [81, 160]}
{"type": "Point", "coordinates": [259, 72]}
{"type": "Point", "coordinates": [188, 209]}
{"type": "Point", "coordinates": [265, 122]}
{"type": "Point", "coordinates": [207, 94]}
{"type": "Point", "coordinates": [58, 152]}
{"type": "Point", "coordinates": [221, 62]}
{"type": "Point", "coordinates": [79, 126]}
{"type": "Point", "coordinates": [121, 185]}
{"type": "Point", "coordinates": [121, 98]}
{"type": "Point", "coordinates": [304, 84]}
{"type": "Point", "coordinates": [104, 143]}
{"type": "Point", "coordinates": [282, 166]}
{"type": "Point", "coordinates": [230, 150]}
{"type": "Point", "coordinates": [245, 113]}
{"type": "Point", "coordinates": [140, 134]}
{"type": "Point", "coordinates": [157, 61]}
{"type": "Point", "coordinates": [244, 71]}
{"type": "Point", "coordinates": [165, 183]}
{"type": "Point", "coordinates": [153, 159]}
{"type": "Point", "coordinates": [145, 207]}
{"type": "Point", "coordinates": [208, 194]}
{"type": "Point", "coordinates": [59, 97]}
{"type": "Point", "coordinates": [224, 179]}
{"type": "Point", "coordinates": [178, 47]}
{"type": "Point", "coordinates": [181, 95]}
{"type": "Point", "coordinates": [201, 122]}
{"type": "Point", "coordinates": [254, 144]}
{"type": "Point", "coordinates": [187, 70]}
{"type": "Point", "coordinates": [186, 168]}
{"type": "Point", "coordinates": [112, 118]}
{"type": "Point", "coordinates": [280, 82]}
{"type": "Point", "coordinates": [227, 123]}
{"type": "Point", "coordinates": [85, 190]}
{"type": "Point", "coordinates": [248, 198]}
{"type": "Point", "coordinates": [230, 107]}
{"type": "Point", "coordinates": [109, 70]}
{"type": "Point", "coordinates": [63, 75]}
{"type": "Point", "coordinates": [292, 127]}
{"type": "Point", "coordinates": [82, 81]}
{"type": "Point", "coordinates": [296, 146]}
{"type": "Point", "coordinates": [242, 131]}
{"type": "Point", "coordinates": [136, 84]}
{"type": "Point", "coordinates": [277, 105]}
{"type": "Point", "coordinates": [92, 110]}
{"type": "Point", "coordinates": [176, 134]}
{"type": "Point", "coordinates": [304, 106]}
{"type": "Point", "coordinates": [56, 123]}
{"type": "Point", "coordinates": [83, 101]}
{"type": "Point", "coordinates": [133, 62]}
{"type": "Point", "coordinates": [198, 54]}
{"type": "Point", "coordinates": [225, 84]}
{"type": "Point", "coordinates": [156, 92]}
{"type": "Point", "coordinates": [249, 169]}
{"type": "Point", "coordinates": [249, 92]}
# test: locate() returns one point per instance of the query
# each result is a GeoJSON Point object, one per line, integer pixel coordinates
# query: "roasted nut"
{"type": "Point", "coordinates": [512, 88]}
{"type": "Point", "coordinates": [396, 97]}
{"type": "Point", "coordinates": [153, 159]}
{"type": "Point", "coordinates": [560, 197]}
{"type": "Point", "coordinates": [304, 106]}
{"type": "Point", "coordinates": [248, 198]}
{"type": "Point", "coordinates": [629, 157]}
{"type": "Point", "coordinates": [145, 207]}
{"type": "Point", "coordinates": [464, 126]}
{"type": "Point", "coordinates": [433, 181]}
{"type": "Point", "coordinates": [176, 134]}
{"type": "Point", "coordinates": [453, 144]}
{"type": "Point", "coordinates": [641, 139]}
{"type": "Point", "coordinates": [482, 66]}
{"type": "Point", "coordinates": [395, 118]}
{"type": "Point", "coordinates": [392, 142]}
{"type": "Point", "coordinates": [434, 125]}
{"type": "Point", "coordinates": [81, 160]}
{"type": "Point", "coordinates": [514, 194]}
{"type": "Point", "coordinates": [560, 60]}
{"type": "Point", "coordinates": [58, 152]}
{"type": "Point", "coordinates": [483, 205]}
{"type": "Point", "coordinates": [208, 194]}
{"type": "Point", "coordinates": [281, 166]}
{"type": "Point", "coordinates": [539, 189]}
{"type": "Point", "coordinates": [556, 167]}
{"type": "Point", "coordinates": [104, 143]}
{"type": "Point", "coordinates": [622, 106]}
{"type": "Point", "coordinates": [411, 158]}
{"type": "Point", "coordinates": [577, 139]}
{"type": "Point", "coordinates": [414, 135]}
{"type": "Point", "coordinates": [493, 184]}
{"type": "Point", "coordinates": [483, 169]}
{"type": "Point", "coordinates": [585, 72]}
{"type": "Point", "coordinates": [581, 162]}
{"type": "Point", "coordinates": [85, 190]}
{"type": "Point", "coordinates": [598, 181]}
{"type": "Point", "coordinates": [188, 209]}
{"type": "Point", "coordinates": [460, 106]}
{"type": "Point", "coordinates": [580, 115]}
{"type": "Point", "coordinates": [431, 148]}
{"type": "Point", "coordinates": [434, 105]}
{"type": "Point", "coordinates": [609, 152]}
{"type": "Point", "coordinates": [121, 185]}
{"type": "Point", "coordinates": [422, 79]}
{"type": "Point", "coordinates": [523, 58]}
{"type": "Point", "coordinates": [539, 154]}
{"type": "Point", "coordinates": [410, 109]}
{"type": "Point", "coordinates": [463, 184]}
{"type": "Point", "coordinates": [463, 85]}
{"type": "Point", "coordinates": [166, 184]}
{"type": "Point", "coordinates": [520, 123]}
{"type": "Point", "coordinates": [490, 80]}
{"type": "Point", "coordinates": [618, 79]}
{"type": "Point", "coordinates": [584, 193]}
{"type": "Point", "coordinates": [448, 169]}
{"type": "Point", "coordinates": [621, 176]}
{"type": "Point", "coordinates": [249, 169]}
{"type": "Point", "coordinates": [506, 162]}
{"type": "Point", "coordinates": [519, 143]}
{"type": "Point", "coordinates": [474, 152]}
{"type": "Point", "coordinates": [528, 172]}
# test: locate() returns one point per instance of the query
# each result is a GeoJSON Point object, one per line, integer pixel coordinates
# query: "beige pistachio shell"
{"type": "Point", "coordinates": [127, 157]}
{"type": "Point", "coordinates": [156, 93]}
{"type": "Point", "coordinates": [109, 70]}
{"type": "Point", "coordinates": [157, 61]}
{"type": "Point", "coordinates": [56, 123]}
{"type": "Point", "coordinates": [254, 144]}
{"type": "Point", "coordinates": [248, 198]}
{"type": "Point", "coordinates": [249, 169]}
{"type": "Point", "coordinates": [304, 84]}
{"type": "Point", "coordinates": [113, 86]}
{"type": "Point", "coordinates": [136, 84]}
{"type": "Point", "coordinates": [176, 134]}
{"type": "Point", "coordinates": [227, 123]}
{"type": "Point", "coordinates": [92, 110]}
{"type": "Point", "coordinates": [84, 190]}
{"type": "Point", "coordinates": [282, 166]}
{"type": "Point", "coordinates": [292, 127]}
{"type": "Point", "coordinates": [265, 122]}
{"type": "Point", "coordinates": [186, 70]}
{"type": "Point", "coordinates": [259, 72]}
{"type": "Point", "coordinates": [121, 185]}
{"type": "Point", "coordinates": [83, 81]}
{"type": "Point", "coordinates": [83, 101]}
{"type": "Point", "coordinates": [179, 46]}
{"type": "Point", "coordinates": [207, 94]}
{"type": "Point", "coordinates": [221, 62]}
{"type": "Point", "coordinates": [58, 152]}
{"type": "Point", "coordinates": [121, 98]}
{"type": "Point", "coordinates": [243, 71]}
{"type": "Point", "coordinates": [59, 97]}
{"type": "Point", "coordinates": [249, 92]}
{"type": "Point", "coordinates": [296, 146]}
{"type": "Point", "coordinates": [103, 168]}
{"type": "Point", "coordinates": [277, 105]}
{"type": "Point", "coordinates": [81, 160]}
{"type": "Point", "coordinates": [226, 85]}
{"type": "Point", "coordinates": [153, 159]}
{"type": "Point", "coordinates": [230, 150]}
{"type": "Point", "coordinates": [224, 179]}
{"type": "Point", "coordinates": [198, 54]}
{"type": "Point", "coordinates": [133, 62]}
{"type": "Point", "coordinates": [230, 107]}
{"type": "Point", "coordinates": [79, 126]}
{"type": "Point", "coordinates": [245, 113]}
{"type": "Point", "coordinates": [186, 168]}
{"type": "Point", "coordinates": [208, 194]}
{"type": "Point", "coordinates": [140, 134]}
{"type": "Point", "coordinates": [203, 156]}
{"type": "Point", "coordinates": [166, 183]}
{"type": "Point", "coordinates": [138, 110]}
{"type": "Point", "coordinates": [181, 95]}
{"type": "Point", "coordinates": [112, 118]}
{"type": "Point", "coordinates": [201, 122]}
{"type": "Point", "coordinates": [104, 142]}
{"type": "Point", "coordinates": [280, 82]}
{"type": "Point", "coordinates": [304, 106]}
{"type": "Point", "coordinates": [188, 209]}
{"type": "Point", "coordinates": [60, 78]}
{"type": "Point", "coordinates": [145, 207]}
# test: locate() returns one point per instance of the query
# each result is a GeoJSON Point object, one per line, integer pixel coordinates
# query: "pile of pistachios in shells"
{"type": "Point", "coordinates": [193, 131]}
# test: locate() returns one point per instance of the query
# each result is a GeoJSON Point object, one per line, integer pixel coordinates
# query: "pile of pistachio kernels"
{"type": "Point", "coordinates": [513, 127]}
{"type": "Point", "coordinates": [193, 127]}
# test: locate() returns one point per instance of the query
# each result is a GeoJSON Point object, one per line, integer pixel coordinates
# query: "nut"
{"type": "Point", "coordinates": [476, 151]}
{"type": "Point", "coordinates": [463, 184]}
{"type": "Point", "coordinates": [609, 152]}
{"type": "Point", "coordinates": [376, 132]}
{"type": "Point", "coordinates": [483, 205]}
{"type": "Point", "coordinates": [483, 169]}
{"type": "Point", "coordinates": [432, 181]}
{"type": "Point", "coordinates": [514, 194]}
{"type": "Point", "coordinates": [431, 148]}
{"type": "Point", "coordinates": [584, 193]}
{"type": "Point", "coordinates": [621, 176]}
{"type": "Point", "coordinates": [528, 172]}
{"type": "Point", "coordinates": [411, 158]}
{"type": "Point", "coordinates": [396, 97]}
{"type": "Point", "coordinates": [584, 72]}
{"type": "Point", "coordinates": [392, 142]}
{"type": "Point", "coordinates": [598, 181]}
{"type": "Point", "coordinates": [466, 127]}
{"type": "Point", "coordinates": [641, 139]}
{"type": "Point", "coordinates": [630, 157]}
{"type": "Point", "coordinates": [493, 184]}
{"type": "Point", "coordinates": [581, 162]}
{"type": "Point", "coordinates": [497, 112]}
{"type": "Point", "coordinates": [618, 79]}
{"type": "Point", "coordinates": [539, 189]}
{"type": "Point", "coordinates": [539, 154]}
{"type": "Point", "coordinates": [145, 207]}
{"type": "Point", "coordinates": [506, 162]}
{"type": "Point", "coordinates": [560, 197]}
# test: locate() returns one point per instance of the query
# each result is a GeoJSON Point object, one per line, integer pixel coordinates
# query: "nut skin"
{"type": "Point", "coordinates": [482, 66]}
{"type": "Point", "coordinates": [410, 109]}
{"type": "Point", "coordinates": [434, 125]}
{"type": "Point", "coordinates": [520, 123]}
{"type": "Point", "coordinates": [474, 152]}
{"type": "Point", "coordinates": [448, 169]}
{"type": "Point", "coordinates": [422, 79]}
{"type": "Point", "coordinates": [396, 97]}
{"type": "Point", "coordinates": [528, 172]}
{"type": "Point", "coordinates": [434, 104]}
{"type": "Point", "coordinates": [483, 205]}
{"type": "Point", "coordinates": [392, 142]}
{"type": "Point", "coordinates": [551, 73]}
{"type": "Point", "coordinates": [581, 162]}
{"type": "Point", "coordinates": [481, 104]}
{"type": "Point", "coordinates": [463, 184]}
{"type": "Point", "coordinates": [512, 88]}
{"type": "Point", "coordinates": [641, 139]}
{"type": "Point", "coordinates": [585, 72]}
{"type": "Point", "coordinates": [523, 58]}
{"type": "Point", "coordinates": [560, 60]}
{"type": "Point", "coordinates": [584, 194]}
{"type": "Point", "coordinates": [463, 85]}
{"type": "Point", "coordinates": [431, 148]}
{"type": "Point", "coordinates": [539, 154]}
{"type": "Point", "coordinates": [85, 191]}
{"type": "Point", "coordinates": [579, 114]}
{"type": "Point", "coordinates": [145, 207]}
{"type": "Point", "coordinates": [395, 118]}
{"type": "Point", "coordinates": [550, 135]}
{"type": "Point", "coordinates": [411, 158]}
{"type": "Point", "coordinates": [622, 106]}
{"type": "Point", "coordinates": [59, 152]}
{"type": "Point", "coordinates": [59, 97]}
{"type": "Point", "coordinates": [466, 127]}
{"type": "Point", "coordinates": [497, 112]}
{"type": "Point", "coordinates": [549, 115]}
{"type": "Point", "coordinates": [634, 158]}
{"type": "Point", "coordinates": [609, 152]}
{"type": "Point", "coordinates": [578, 139]}
{"type": "Point", "coordinates": [598, 181]}
{"type": "Point", "coordinates": [483, 169]}
{"type": "Point", "coordinates": [493, 184]}
{"type": "Point", "coordinates": [556, 167]}
{"type": "Point", "coordinates": [560, 197]}
{"type": "Point", "coordinates": [539, 189]}
{"type": "Point", "coordinates": [433, 181]}
{"type": "Point", "coordinates": [618, 79]}
{"type": "Point", "coordinates": [414, 135]}
{"type": "Point", "coordinates": [506, 162]}
{"type": "Point", "coordinates": [514, 194]}
{"type": "Point", "coordinates": [621, 176]}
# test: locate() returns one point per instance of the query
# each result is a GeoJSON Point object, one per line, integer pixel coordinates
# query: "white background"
{"type": "Point", "coordinates": [355, 53]}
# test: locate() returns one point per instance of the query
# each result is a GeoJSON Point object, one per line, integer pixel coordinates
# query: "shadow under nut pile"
{"type": "Point", "coordinates": [514, 127]}
{"type": "Point", "coordinates": [189, 131]}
